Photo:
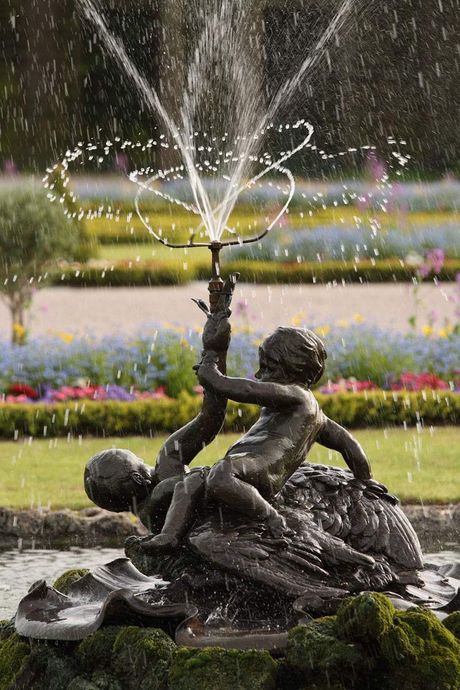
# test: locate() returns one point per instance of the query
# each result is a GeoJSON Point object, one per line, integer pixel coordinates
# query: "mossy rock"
{"type": "Point", "coordinates": [421, 653]}
{"type": "Point", "coordinates": [141, 658]}
{"type": "Point", "coordinates": [222, 669]}
{"type": "Point", "coordinates": [80, 683]}
{"type": "Point", "coordinates": [105, 681]}
{"type": "Point", "coordinates": [324, 659]}
{"type": "Point", "coordinates": [452, 623]}
{"type": "Point", "coordinates": [6, 628]}
{"type": "Point", "coordinates": [95, 651]}
{"type": "Point", "coordinates": [14, 655]}
{"type": "Point", "coordinates": [64, 581]}
{"type": "Point", "coordinates": [365, 618]}
{"type": "Point", "coordinates": [52, 666]}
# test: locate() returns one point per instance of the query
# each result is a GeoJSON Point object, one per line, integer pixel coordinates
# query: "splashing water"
{"type": "Point", "coordinates": [221, 91]}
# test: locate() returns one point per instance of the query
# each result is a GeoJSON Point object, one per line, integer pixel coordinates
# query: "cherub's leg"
{"type": "Point", "coordinates": [224, 485]}
{"type": "Point", "coordinates": [187, 495]}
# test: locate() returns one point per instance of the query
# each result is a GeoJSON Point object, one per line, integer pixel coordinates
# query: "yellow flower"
{"type": "Point", "coordinates": [322, 330]}
{"type": "Point", "coordinates": [66, 337]}
{"type": "Point", "coordinates": [358, 318]}
{"type": "Point", "coordinates": [343, 323]}
{"type": "Point", "coordinates": [298, 319]}
{"type": "Point", "coordinates": [427, 330]}
{"type": "Point", "coordinates": [446, 331]}
{"type": "Point", "coordinates": [19, 332]}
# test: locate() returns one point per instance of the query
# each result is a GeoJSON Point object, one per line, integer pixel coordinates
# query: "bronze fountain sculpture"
{"type": "Point", "coordinates": [246, 549]}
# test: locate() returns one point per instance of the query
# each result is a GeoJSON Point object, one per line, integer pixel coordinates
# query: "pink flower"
{"type": "Point", "coordinates": [434, 261]}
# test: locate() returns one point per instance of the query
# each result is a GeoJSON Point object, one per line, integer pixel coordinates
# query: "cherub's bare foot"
{"type": "Point", "coordinates": [161, 543]}
{"type": "Point", "coordinates": [277, 526]}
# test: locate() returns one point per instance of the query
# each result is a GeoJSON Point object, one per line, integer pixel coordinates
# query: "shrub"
{"type": "Point", "coordinates": [34, 235]}
{"type": "Point", "coordinates": [156, 273]}
{"type": "Point", "coordinates": [111, 418]}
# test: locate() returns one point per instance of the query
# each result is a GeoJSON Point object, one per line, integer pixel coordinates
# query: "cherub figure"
{"type": "Point", "coordinates": [117, 480]}
{"type": "Point", "coordinates": [257, 466]}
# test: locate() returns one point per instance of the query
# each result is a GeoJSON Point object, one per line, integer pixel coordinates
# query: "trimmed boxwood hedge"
{"type": "Point", "coordinates": [144, 274]}
{"type": "Point", "coordinates": [156, 273]}
{"type": "Point", "coordinates": [111, 418]}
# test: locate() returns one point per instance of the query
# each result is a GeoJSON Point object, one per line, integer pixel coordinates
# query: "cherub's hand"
{"type": "Point", "coordinates": [216, 333]}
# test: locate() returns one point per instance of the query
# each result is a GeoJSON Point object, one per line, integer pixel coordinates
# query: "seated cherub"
{"type": "Point", "coordinates": [257, 466]}
{"type": "Point", "coordinates": [117, 480]}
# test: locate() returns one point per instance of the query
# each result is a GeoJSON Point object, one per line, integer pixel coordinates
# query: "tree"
{"type": "Point", "coordinates": [34, 234]}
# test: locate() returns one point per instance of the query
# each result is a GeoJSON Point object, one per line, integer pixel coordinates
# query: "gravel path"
{"type": "Point", "coordinates": [102, 311]}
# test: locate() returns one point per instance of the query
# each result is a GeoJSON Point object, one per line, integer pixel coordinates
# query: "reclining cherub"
{"type": "Point", "coordinates": [256, 467]}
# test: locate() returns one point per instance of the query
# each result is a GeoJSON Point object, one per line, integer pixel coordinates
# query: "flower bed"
{"type": "Point", "coordinates": [159, 362]}
{"type": "Point", "coordinates": [346, 243]}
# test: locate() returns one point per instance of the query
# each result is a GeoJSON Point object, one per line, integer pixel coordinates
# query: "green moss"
{"type": "Point", "coordinates": [105, 681]}
{"type": "Point", "coordinates": [365, 618]}
{"type": "Point", "coordinates": [80, 683]}
{"type": "Point", "coordinates": [52, 665]}
{"type": "Point", "coordinates": [141, 658]}
{"type": "Point", "coordinates": [6, 629]}
{"type": "Point", "coordinates": [64, 581]}
{"type": "Point", "coordinates": [220, 669]}
{"type": "Point", "coordinates": [316, 651]}
{"type": "Point", "coordinates": [421, 653]}
{"type": "Point", "coordinates": [452, 623]}
{"type": "Point", "coordinates": [95, 651]}
{"type": "Point", "coordinates": [14, 653]}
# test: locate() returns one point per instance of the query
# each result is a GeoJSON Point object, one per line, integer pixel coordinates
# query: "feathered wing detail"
{"type": "Point", "coordinates": [290, 568]}
{"type": "Point", "coordinates": [363, 514]}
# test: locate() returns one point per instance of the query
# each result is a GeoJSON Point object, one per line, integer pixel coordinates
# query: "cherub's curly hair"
{"type": "Point", "coordinates": [300, 352]}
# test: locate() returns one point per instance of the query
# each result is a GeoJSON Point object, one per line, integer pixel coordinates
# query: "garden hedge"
{"type": "Point", "coordinates": [156, 273]}
{"type": "Point", "coordinates": [127, 274]}
{"type": "Point", "coordinates": [111, 418]}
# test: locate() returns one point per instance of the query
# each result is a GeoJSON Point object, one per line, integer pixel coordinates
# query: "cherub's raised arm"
{"type": "Point", "coordinates": [335, 437]}
{"type": "Point", "coordinates": [244, 390]}
{"type": "Point", "coordinates": [185, 443]}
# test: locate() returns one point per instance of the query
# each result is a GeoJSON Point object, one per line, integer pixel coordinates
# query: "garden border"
{"type": "Point", "coordinates": [156, 273]}
{"type": "Point", "coordinates": [112, 418]}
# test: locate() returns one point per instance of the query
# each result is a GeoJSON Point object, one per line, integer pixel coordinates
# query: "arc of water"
{"type": "Point", "coordinates": [277, 165]}
{"type": "Point", "coordinates": [116, 49]}
{"type": "Point", "coordinates": [145, 187]}
{"type": "Point", "coordinates": [285, 92]}
{"type": "Point", "coordinates": [200, 195]}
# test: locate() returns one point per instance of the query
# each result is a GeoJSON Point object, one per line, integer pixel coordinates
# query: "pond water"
{"type": "Point", "coordinates": [19, 570]}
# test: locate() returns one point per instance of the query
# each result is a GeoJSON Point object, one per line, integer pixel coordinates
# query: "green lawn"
{"type": "Point", "coordinates": [415, 465]}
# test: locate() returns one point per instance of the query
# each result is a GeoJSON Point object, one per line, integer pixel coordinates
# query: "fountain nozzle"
{"type": "Point", "coordinates": [216, 283]}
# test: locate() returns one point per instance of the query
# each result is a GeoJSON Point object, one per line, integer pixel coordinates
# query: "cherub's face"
{"type": "Point", "coordinates": [139, 481]}
{"type": "Point", "coordinates": [270, 369]}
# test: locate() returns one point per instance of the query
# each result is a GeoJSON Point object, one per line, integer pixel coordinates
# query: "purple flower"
{"type": "Point", "coordinates": [10, 167]}
{"type": "Point", "coordinates": [434, 261]}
